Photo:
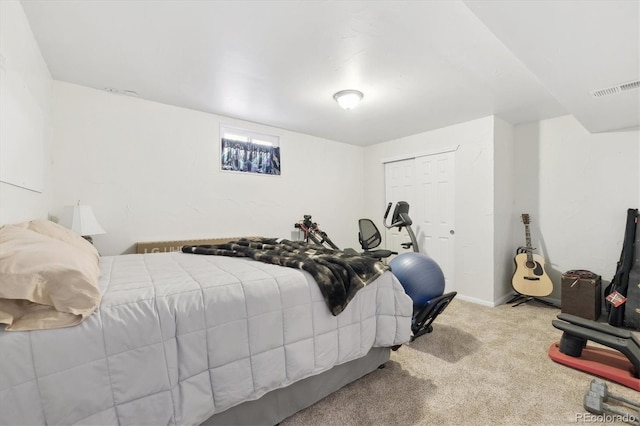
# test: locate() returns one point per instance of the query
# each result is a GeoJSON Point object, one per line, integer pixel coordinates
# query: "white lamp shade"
{"type": "Point", "coordinates": [81, 220]}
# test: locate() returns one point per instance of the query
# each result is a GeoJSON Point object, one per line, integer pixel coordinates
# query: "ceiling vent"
{"type": "Point", "coordinates": [121, 92]}
{"type": "Point", "coordinates": [613, 90]}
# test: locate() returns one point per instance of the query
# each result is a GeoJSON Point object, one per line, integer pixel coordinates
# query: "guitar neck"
{"type": "Point", "coordinates": [528, 240]}
{"type": "Point", "coordinates": [527, 235]}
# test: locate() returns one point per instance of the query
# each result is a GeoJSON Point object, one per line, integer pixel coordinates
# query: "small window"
{"type": "Point", "coordinates": [249, 152]}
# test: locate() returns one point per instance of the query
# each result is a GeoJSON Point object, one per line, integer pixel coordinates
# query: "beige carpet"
{"type": "Point", "coordinates": [480, 366]}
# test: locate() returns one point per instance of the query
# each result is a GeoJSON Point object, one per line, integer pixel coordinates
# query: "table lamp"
{"type": "Point", "coordinates": [81, 220]}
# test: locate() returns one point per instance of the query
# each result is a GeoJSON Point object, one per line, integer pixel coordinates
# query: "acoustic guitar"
{"type": "Point", "coordinates": [530, 278]}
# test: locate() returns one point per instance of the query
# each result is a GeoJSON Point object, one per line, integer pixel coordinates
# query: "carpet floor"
{"type": "Point", "coordinates": [479, 366]}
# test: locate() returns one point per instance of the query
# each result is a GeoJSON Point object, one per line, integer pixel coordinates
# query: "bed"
{"type": "Point", "coordinates": [178, 338]}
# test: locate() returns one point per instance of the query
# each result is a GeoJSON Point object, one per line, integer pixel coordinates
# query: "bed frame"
{"type": "Point", "coordinates": [279, 404]}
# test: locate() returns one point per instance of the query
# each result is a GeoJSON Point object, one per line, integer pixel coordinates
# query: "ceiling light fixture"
{"type": "Point", "coordinates": [348, 99]}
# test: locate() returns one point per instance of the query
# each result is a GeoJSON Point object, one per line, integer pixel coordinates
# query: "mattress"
{"type": "Point", "coordinates": [178, 338]}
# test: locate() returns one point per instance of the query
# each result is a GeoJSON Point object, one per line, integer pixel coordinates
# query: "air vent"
{"type": "Point", "coordinates": [121, 92]}
{"type": "Point", "coordinates": [613, 90]}
{"type": "Point", "coordinates": [631, 85]}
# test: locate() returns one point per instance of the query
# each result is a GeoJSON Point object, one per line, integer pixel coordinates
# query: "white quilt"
{"type": "Point", "coordinates": [180, 337]}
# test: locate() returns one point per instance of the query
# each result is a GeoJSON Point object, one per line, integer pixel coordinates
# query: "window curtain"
{"type": "Point", "coordinates": [250, 157]}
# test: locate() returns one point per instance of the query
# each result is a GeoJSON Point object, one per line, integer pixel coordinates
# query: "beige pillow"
{"type": "Point", "coordinates": [59, 232]}
{"type": "Point", "coordinates": [45, 282]}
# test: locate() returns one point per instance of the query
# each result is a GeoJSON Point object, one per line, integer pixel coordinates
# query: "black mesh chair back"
{"type": "Point", "coordinates": [370, 238]}
{"type": "Point", "coordinates": [369, 235]}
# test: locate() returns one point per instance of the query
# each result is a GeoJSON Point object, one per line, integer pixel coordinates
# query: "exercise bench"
{"type": "Point", "coordinates": [621, 365]}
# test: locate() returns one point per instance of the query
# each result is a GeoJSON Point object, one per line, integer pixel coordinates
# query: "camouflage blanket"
{"type": "Point", "coordinates": [339, 275]}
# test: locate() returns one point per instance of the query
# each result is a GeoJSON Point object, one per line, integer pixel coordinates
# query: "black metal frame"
{"type": "Point", "coordinates": [314, 234]}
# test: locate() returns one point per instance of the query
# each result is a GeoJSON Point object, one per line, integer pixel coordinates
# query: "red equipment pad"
{"type": "Point", "coordinates": [607, 363]}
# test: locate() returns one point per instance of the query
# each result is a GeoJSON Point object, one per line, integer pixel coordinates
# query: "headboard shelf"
{"type": "Point", "coordinates": [176, 245]}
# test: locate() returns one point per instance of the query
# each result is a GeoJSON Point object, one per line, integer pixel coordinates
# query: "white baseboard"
{"type": "Point", "coordinates": [475, 300]}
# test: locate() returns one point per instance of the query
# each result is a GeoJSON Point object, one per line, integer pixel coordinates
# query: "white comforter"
{"type": "Point", "coordinates": [180, 337]}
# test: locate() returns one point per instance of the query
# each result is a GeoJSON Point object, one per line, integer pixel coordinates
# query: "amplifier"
{"type": "Point", "coordinates": [581, 294]}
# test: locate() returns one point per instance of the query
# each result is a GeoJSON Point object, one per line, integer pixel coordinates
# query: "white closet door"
{"type": "Point", "coordinates": [427, 183]}
{"type": "Point", "coordinates": [435, 210]}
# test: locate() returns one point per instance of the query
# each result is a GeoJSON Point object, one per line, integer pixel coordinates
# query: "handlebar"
{"type": "Point", "coordinates": [400, 216]}
{"type": "Point", "coordinates": [387, 212]}
{"type": "Point", "coordinates": [401, 220]}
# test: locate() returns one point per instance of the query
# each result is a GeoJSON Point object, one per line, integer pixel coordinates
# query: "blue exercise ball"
{"type": "Point", "coordinates": [420, 276]}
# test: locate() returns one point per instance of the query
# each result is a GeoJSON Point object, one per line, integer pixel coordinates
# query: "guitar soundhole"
{"type": "Point", "coordinates": [537, 269]}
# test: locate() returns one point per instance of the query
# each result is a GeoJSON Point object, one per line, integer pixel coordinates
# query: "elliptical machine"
{"type": "Point", "coordinates": [401, 219]}
{"type": "Point", "coordinates": [421, 277]}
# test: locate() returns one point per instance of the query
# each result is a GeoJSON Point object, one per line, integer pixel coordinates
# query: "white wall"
{"type": "Point", "coordinates": [25, 120]}
{"type": "Point", "coordinates": [151, 172]}
{"type": "Point", "coordinates": [577, 187]}
{"type": "Point", "coordinates": [504, 191]}
{"type": "Point", "coordinates": [474, 205]}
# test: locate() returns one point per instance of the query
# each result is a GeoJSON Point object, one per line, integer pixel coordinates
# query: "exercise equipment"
{"type": "Point", "coordinates": [370, 238]}
{"type": "Point", "coordinates": [313, 233]}
{"type": "Point", "coordinates": [423, 281]}
{"type": "Point", "coordinates": [400, 219]}
{"type": "Point", "coordinates": [596, 401]}
{"type": "Point", "coordinates": [601, 389]}
{"type": "Point", "coordinates": [419, 275]}
{"type": "Point", "coordinates": [620, 364]}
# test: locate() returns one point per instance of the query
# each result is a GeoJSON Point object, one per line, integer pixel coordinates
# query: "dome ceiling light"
{"type": "Point", "coordinates": [348, 99]}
